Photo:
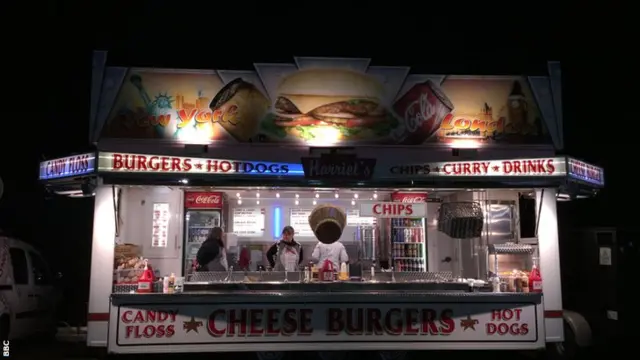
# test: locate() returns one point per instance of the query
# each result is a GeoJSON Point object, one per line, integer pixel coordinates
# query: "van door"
{"type": "Point", "coordinates": [21, 304]}
{"type": "Point", "coordinates": [42, 293]}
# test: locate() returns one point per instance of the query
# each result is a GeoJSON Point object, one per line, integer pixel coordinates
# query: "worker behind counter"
{"type": "Point", "coordinates": [327, 222]}
{"type": "Point", "coordinates": [286, 254]}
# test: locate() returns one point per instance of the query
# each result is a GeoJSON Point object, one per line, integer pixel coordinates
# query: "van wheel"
{"type": "Point", "coordinates": [566, 350]}
{"type": "Point", "coordinates": [4, 327]}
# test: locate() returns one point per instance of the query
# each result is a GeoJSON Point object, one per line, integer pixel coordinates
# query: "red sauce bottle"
{"type": "Point", "coordinates": [145, 282]}
{"type": "Point", "coordinates": [535, 280]}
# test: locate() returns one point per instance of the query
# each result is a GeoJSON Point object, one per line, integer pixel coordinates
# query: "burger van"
{"type": "Point", "coordinates": [449, 219]}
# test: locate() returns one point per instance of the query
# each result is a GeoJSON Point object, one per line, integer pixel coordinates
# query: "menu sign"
{"type": "Point", "coordinates": [299, 220]}
{"type": "Point", "coordinates": [248, 222]}
{"type": "Point", "coordinates": [354, 219]}
{"type": "Point", "coordinates": [160, 225]}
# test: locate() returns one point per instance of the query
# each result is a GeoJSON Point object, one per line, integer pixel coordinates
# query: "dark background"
{"type": "Point", "coordinates": [47, 85]}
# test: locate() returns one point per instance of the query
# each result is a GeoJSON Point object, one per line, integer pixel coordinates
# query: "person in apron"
{"type": "Point", "coordinates": [212, 255]}
{"type": "Point", "coordinates": [286, 254]}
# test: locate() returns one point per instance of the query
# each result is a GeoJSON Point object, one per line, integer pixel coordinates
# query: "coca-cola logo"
{"type": "Point", "coordinates": [417, 199]}
{"type": "Point", "coordinates": [203, 199]}
{"type": "Point", "coordinates": [211, 199]}
{"type": "Point", "coordinates": [410, 198]}
{"type": "Point", "coordinates": [418, 112]}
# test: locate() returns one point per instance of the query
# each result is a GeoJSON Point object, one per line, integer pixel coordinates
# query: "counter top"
{"type": "Point", "coordinates": [299, 296]}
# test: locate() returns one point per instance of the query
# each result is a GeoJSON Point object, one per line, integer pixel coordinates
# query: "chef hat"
{"type": "Point", "coordinates": [327, 222]}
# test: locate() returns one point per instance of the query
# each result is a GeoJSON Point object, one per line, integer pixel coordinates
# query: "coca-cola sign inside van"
{"type": "Point", "coordinates": [203, 200]}
{"type": "Point", "coordinates": [409, 197]}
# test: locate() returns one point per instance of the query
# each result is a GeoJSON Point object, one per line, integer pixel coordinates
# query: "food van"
{"type": "Point", "coordinates": [448, 186]}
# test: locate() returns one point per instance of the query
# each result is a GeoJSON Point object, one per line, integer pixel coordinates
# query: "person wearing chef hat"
{"type": "Point", "coordinates": [327, 222]}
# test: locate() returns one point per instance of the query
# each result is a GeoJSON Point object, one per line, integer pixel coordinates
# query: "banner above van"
{"type": "Point", "coordinates": [324, 102]}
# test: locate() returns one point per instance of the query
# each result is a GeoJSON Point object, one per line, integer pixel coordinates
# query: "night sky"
{"type": "Point", "coordinates": [599, 121]}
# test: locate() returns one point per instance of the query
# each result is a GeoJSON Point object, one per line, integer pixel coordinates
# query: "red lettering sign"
{"type": "Point", "coordinates": [506, 322]}
{"type": "Point", "coordinates": [393, 209]}
{"type": "Point", "coordinates": [149, 323]}
{"type": "Point", "coordinates": [203, 200]}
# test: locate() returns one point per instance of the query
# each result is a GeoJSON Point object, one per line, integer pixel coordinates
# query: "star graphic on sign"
{"type": "Point", "coordinates": [469, 323]}
{"type": "Point", "coordinates": [199, 166]}
{"type": "Point", "coordinates": [496, 168]}
{"type": "Point", "coordinates": [192, 325]}
{"type": "Point", "coordinates": [436, 169]}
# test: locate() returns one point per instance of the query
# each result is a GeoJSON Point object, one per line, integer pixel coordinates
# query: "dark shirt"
{"type": "Point", "coordinates": [273, 251]}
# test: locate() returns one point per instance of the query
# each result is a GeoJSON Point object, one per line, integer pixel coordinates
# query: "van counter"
{"type": "Point", "coordinates": [293, 316]}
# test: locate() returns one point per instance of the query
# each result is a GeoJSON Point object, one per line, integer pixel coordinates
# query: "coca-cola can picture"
{"type": "Point", "coordinates": [421, 110]}
{"type": "Point", "coordinates": [200, 200]}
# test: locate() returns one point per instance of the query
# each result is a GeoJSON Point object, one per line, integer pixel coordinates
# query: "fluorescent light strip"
{"type": "Point", "coordinates": [277, 221]}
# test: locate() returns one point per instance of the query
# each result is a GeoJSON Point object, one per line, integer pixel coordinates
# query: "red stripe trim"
{"type": "Point", "coordinates": [98, 317]}
{"type": "Point", "coordinates": [553, 314]}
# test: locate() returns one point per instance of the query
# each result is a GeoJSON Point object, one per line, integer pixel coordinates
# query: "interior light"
{"type": "Point", "coordinates": [317, 195]}
{"type": "Point", "coordinates": [238, 195]}
{"type": "Point", "coordinates": [239, 202]}
{"type": "Point", "coordinates": [336, 195]}
{"type": "Point", "coordinates": [297, 196]}
{"type": "Point", "coordinates": [184, 181]}
{"type": "Point", "coordinates": [257, 202]}
{"type": "Point", "coordinates": [353, 202]}
{"type": "Point", "coordinates": [297, 202]}
{"type": "Point", "coordinates": [375, 195]}
{"type": "Point", "coordinates": [314, 202]}
{"type": "Point", "coordinates": [278, 195]}
{"type": "Point", "coordinates": [257, 195]}
{"type": "Point", "coordinates": [355, 196]}
{"type": "Point", "coordinates": [276, 222]}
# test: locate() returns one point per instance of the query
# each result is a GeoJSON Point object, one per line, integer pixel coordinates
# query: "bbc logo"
{"type": "Point", "coordinates": [5, 348]}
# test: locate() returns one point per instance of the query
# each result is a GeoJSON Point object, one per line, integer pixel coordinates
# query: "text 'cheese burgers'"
{"type": "Point", "coordinates": [330, 104]}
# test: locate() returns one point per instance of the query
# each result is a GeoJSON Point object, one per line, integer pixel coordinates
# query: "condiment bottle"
{"type": "Point", "coordinates": [165, 285]}
{"type": "Point", "coordinates": [314, 273]}
{"type": "Point", "coordinates": [535, 280]}
{"type": "Point", "coordinates": [172, 283]}
{"type": "Point", "coordinates": [145, 282]}
{"type": "Point", "coordinates": [343, 275]}
{"type": "Point", "coordinates": [525, 284]}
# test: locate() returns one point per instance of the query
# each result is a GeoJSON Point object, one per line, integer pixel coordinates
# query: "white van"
{"type": "Point", "coordinates": [27, 295]}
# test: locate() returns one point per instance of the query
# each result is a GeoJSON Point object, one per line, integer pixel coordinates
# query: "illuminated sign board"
{"type": "Point", "coordinates": [540, 167]}
{"type": "Point", "coordinates": [581, 171]}
{"type": "Point", "coordinates": [76, 165]}
{"type": "Point", "coordinates": [164, 164]}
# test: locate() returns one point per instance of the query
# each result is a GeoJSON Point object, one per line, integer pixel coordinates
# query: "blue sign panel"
{"type": "Point", "coordinates": [581, 171]}
{"type": "Point", "coordinates": [76, 165]}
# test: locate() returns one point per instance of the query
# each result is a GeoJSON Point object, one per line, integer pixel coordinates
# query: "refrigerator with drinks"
{"type": "Point", "coordinates": [408, 237]}
{"type": "Point", "coordinates": [203, 212]}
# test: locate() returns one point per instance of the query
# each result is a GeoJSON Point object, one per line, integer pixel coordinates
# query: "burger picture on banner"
{"type": "Point", "coordinates": [333, 104]}
{"type": "Point", "coordinates": [322, 102]}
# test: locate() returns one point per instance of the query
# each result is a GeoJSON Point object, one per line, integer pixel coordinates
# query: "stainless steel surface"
{"type": "Point", "coordinates": [511, 248]}
{"type": "Point", "coordinates": [499, 221]}
{"type": "Point", "coordinates": [288, 297]}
